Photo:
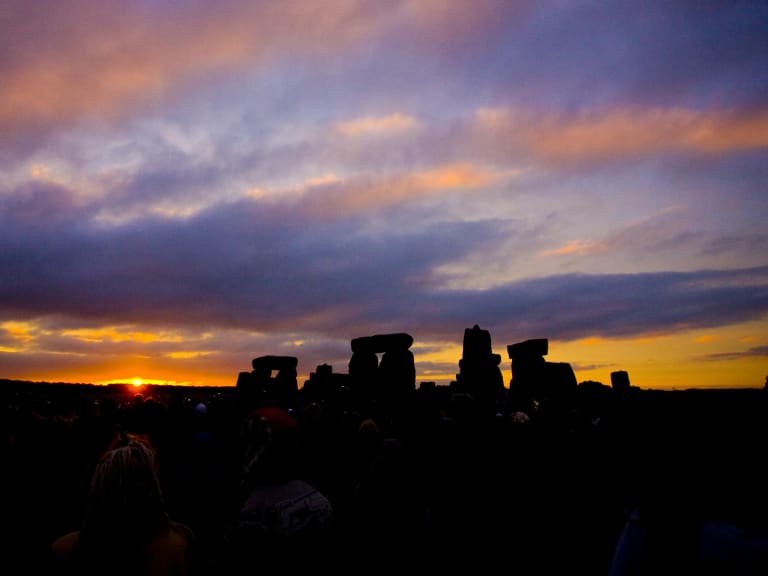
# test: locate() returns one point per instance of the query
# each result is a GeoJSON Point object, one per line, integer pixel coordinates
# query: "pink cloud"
{"type": "Point", "coordinates": [619, 133]}
{"type": "Point", "coordinates": [665, 228]}
{"type": "Point", "coordinates": [66, 61]}
{"type": "Point", "coordinates": [579, 247]}
{"type": "Point", "coordinates": [389, 124]}
{"type": "Point", "coordinates": [339, 198]}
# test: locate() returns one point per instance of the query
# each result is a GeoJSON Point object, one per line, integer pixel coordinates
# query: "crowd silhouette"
{"type": "Point", "coordinates": [367, 471]}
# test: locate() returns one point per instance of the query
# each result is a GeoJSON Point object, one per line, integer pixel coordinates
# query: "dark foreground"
{"type": "Point", "coordinates": [440, 481]}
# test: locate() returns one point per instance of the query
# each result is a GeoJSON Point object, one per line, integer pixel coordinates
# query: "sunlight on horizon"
{"type": "Point", "coordinates": [726, 358]}
{"type": "Point", "coordinates": [138, 382]}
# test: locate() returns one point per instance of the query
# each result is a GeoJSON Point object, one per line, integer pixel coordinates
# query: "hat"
{"type": "Point", "coordinates": [276, 418]}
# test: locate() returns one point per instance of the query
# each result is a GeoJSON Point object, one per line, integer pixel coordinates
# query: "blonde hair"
{"type": "Point", "coordinates": [125, 498]}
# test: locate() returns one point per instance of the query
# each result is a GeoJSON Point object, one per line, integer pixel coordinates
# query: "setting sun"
{"type": "Point", "coordinates": [137, 382]}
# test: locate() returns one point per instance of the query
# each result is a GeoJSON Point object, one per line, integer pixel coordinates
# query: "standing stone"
{"type": "Point", "coordinates": [393, 378]}
{"type": "Point", "coordinates": [261, 387]}
{"type": "Point", "coordinates": [479, 373]}
{"type": "Point", "coordinates": [535, 380]}
{"type": "Point", "coordinates": [323, 384]}
{"type": "Point", "coordinates": [620, 380]}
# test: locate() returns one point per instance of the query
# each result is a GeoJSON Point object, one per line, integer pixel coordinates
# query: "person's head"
{"type": "Point", "coordinates": [125, 497]}
{"type": "Point", "coordinates": [269, 436]}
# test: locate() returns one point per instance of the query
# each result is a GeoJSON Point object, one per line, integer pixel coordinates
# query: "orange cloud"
{"type": "Point", "coordinates": [21, 331]}
{"type": "Point", "coordinates": [580, 247]}
{"type": "Point", "coordinates": [621, 132]}
{"type": "Point", "coordinates": [66, 61]}
{"type": "Point", "coordinates": [660, 227]}
{"type": "Point", "coordinates": [328, 178]}
{"type": "Point", "coordinates": [118, 334]}
{"type": "Point", "coordinates": [187, 354]}
{"type": "Point", "coordinates": [100, 60]}
{"type": "Point", "coordinates": [455, 176]}
{"type": "Point", "coordinates": [361, 195]}
{"type": "Point", "coordinates": [376, 125]}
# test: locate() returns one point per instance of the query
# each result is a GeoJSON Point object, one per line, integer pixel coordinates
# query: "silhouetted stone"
{"type": "Point", "coordinates": [594, 398]}
{"type": "Point", "coordinates": [535, 378]}
{"type": "Point", "coordinates": [395, 376]}
{"type": "Point", "coordinates": [363, 365]}
{"type": "Point", "coordinates": [620, 380]}
{"type": "Point", "coordinates": [382, 342]}
{"type": "Point", "coordinates": [244, 379]}
{"type": "Point", "coordinates": [479, 373]}
{"type": "Point", "coordinates": [275, 363]}
{"type": "Point", "coordinates": [323, 370]}
{"type": "Point", "coordinates": [527, 348]}
{"type": "Point", "coordinates": [397, 371]}
{"type": "Point", "coordinates": [260, 386]}
{"type": "Point", "coordinates": [525, 371]}
{"type": "Point", "coordinates": [476, 344]}
{"type": "Point", "coordinates": [323, 384]}
{"type": "Point", "coordinates": [559, 377]}
{"type": "Point", "coordinates": [427, 386]}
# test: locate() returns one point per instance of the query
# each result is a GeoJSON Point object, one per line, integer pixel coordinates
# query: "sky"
{"type": "Point", "coordinates": [186, 186]}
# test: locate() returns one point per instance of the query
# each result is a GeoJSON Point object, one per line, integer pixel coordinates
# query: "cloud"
{"type": "Point", "coordinates": [579, 247]}
{"type": "Point", "coordinates": [16, 336]}
{"type": "Point", "coordinates": [573, 306]}
{"type": "Point", "coordinates": [259, 266]}
{"type": "Point", "coordinates": [733, 243]}
{"type": "Point", "coordinates": [120, 334]}
{"type": "Point", "coordinates": [37, 203]}
{"type": "Point", "coordinates": [591, 367]}
{"type": "Point", "coordinates": [573, 56]}
{"type": "Point", "coordinates": [756, 352]}
{"type": "Point", "coordinates": [376, 125]}
{"type": "Point", "coordinates": [64, 64]}
{"type": "Point", "coordinates": [82, 60]}
{"type": "Point", "coordinates": [610, 135]}
{"type": "Point", "coordinates": [669, 232]}
{"type": "Point", "coordinates": [363, 195]}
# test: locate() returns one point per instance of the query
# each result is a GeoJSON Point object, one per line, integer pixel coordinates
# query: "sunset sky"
{"type": "Point", "coordinates": [185, 186]}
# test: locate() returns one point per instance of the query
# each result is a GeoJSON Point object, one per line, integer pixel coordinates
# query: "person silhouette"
{"type": "Point", "coordinates": [282, 518]}
{"type": "Point", "coordinates": [125, 527]}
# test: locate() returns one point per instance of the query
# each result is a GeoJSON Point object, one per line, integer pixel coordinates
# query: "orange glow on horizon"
{"type": "Point", "coordinates": [729, 357]}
